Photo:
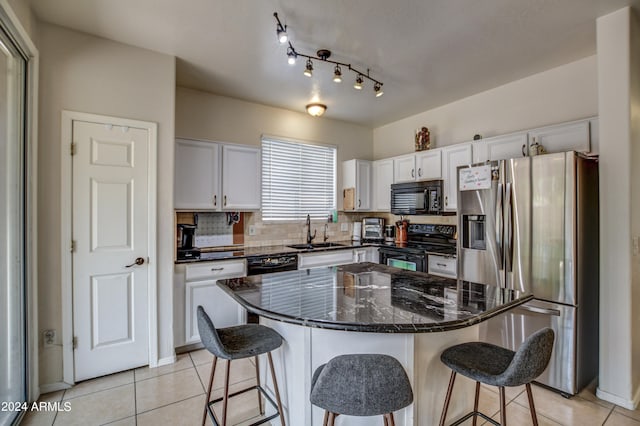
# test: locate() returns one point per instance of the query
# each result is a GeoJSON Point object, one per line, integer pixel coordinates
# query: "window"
{"type": "Point", "coordinates": [298, 179]}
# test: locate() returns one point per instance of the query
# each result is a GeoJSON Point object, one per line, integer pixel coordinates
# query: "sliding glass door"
{"type": "Point", "coordinates": [12, 229]}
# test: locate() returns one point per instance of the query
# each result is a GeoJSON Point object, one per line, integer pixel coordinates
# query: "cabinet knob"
{"type": "Point", "coordinates": [420, 171]}
{"type": "Point", "coordinates": [446, 200]}
{"type": "Point", "coordinates": [413, 173]}
{"type": "Point", "coordinates": [524, 145]}
{"type": "Point", "coordinates": [224, 200]}
{"type": "Point", "coordinates": [215, 200]}
{"type": "Point", "coordinates": [359, 203]}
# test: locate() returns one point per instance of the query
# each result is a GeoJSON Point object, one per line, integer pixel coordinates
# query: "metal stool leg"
{"type": "Point", "coordinates": [206, 403]}
{"type": "Point", "coordinates": [503, 407]}
{"type": "Point", "coordinates": [332, 419]}
{"type": "Point", "coordinates": [275, 388]}
{"type": "Point", "coordinates": [260, 406]}
{"type": "Point", "coordinates": [389, 420]}
{"type": "Point", "coordinates": [532, 407]}
{"type": "Point", "coordinates": [447, 400]}
{"type": "Point", "coordinates": [326, 418]}
{"type": "Point", "coordinates": [475, 404]}
{"type": "Point", "coordinates": [225, 402]}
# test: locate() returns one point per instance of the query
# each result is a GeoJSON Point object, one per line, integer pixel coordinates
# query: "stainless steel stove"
{"type": "Point", "coordinates": [422, 240]}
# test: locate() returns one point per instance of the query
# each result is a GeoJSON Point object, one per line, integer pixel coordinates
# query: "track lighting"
{"type": "Point", "coordinates": [308, 71]}
{"type": "Point", "coordinates": [322, 55]}
{"type": "Point", "coordinates": [291, 55]}
{"type": "Point", "coordinates": [377, 88]}
{"type": "Point", "coordinates": [358, 84]}
{"type": "Point", "coordinates": [337, 74]}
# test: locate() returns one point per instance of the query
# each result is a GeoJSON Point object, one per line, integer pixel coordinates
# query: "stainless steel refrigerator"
{"type": "Point", "coordinates": [532, 224]}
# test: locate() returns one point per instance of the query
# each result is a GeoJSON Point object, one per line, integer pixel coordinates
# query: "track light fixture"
{"type": "Point", "coordinates": [308, 71]}
{"type": "Point", "coordinates": [323, 56]}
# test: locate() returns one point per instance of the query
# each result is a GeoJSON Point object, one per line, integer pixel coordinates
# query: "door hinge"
{"type": "Point", "coordinates": [73, 148]}
{"type": "Point", "coordinates": [74, 342]}
{"type": "Point", "coordinates": [73, 246]}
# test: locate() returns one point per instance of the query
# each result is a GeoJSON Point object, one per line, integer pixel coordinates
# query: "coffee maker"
{"type": "Point", "coordinates": [186, 235]}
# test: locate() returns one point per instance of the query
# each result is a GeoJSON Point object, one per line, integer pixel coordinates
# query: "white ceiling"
{"type": "Point", "coordinates": [426, 52]}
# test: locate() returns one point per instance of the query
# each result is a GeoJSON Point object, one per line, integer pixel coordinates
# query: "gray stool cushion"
{"type": "Point", "coordinates": [361, 385]}
{"type": "Point", "coordinates": [493, 365]}
{"type": "Point", "coordinates": [236, 342]}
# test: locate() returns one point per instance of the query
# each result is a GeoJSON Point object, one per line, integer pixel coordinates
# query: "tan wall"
{"type": "Point", "coordinates": [202, 115]}
{"type": "Point", "coordinates": [561, 94]}
{"type": "Point", "coordinates": [28, 20]}
{"type": "Point", "coordinates": [89, 74]}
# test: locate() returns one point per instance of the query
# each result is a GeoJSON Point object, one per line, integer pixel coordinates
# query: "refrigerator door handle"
{"type": "Point", "coordinates": [509, 226]}
{"type": "Point", "coordinates": [499, 225]}
{"type": "Point", "coordinates": [538, 310]}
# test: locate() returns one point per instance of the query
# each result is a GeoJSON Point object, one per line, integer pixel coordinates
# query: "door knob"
{"type": "Point", "coordinates": [139, 261]}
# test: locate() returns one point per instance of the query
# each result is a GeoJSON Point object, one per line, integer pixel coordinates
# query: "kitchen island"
{"type": "Point", "coordinates": [369, 308]}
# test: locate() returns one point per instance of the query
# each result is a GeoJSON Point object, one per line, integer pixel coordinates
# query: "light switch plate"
{"type": "Point", "coordinates": [344, 227]}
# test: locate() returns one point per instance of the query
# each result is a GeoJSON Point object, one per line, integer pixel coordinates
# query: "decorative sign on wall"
{"type": "Point", "coordinates": [472, 178]}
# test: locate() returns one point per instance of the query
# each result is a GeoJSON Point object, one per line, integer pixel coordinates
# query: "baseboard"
{"type": "Point", "coordinates": [166, 360]}
{"type": "Point", "coordinates": [629, 404]}
{"type": "Point", "coordinates": [53, 387]}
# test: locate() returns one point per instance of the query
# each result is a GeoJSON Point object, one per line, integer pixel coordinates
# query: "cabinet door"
{"type": "Point", "coordinates": [382, 179]}
{"type": "Point", "coordinates": [223, 310]}
{"type": "Point", "coordinates": [363, 185]}
{"type": "Point", "coordinates": [197, 175]}
{"type": "Point", "coordinates": [359, 255]}
{"type": "Point", "coordinates": [562, 137]}
{"type": "Point", "coordinates": [501, 148]}
{"type": "Point", "coordinates": [373, 255]}
{"type": "Point", "coordinates": [452, 157]}
{"type": "Point", "coordinates": [429, 164]}
{"type": "Point", "coordinates": [241, 178]}
{"type": "Point", "coordinates": [404, 169]}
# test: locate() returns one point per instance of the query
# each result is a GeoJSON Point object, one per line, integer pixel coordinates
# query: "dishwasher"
{"type": "Point", "coordinates": [269, 264]}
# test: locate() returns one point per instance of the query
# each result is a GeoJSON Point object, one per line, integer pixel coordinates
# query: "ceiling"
{"type": "Point", "coordinates": [427, 53]}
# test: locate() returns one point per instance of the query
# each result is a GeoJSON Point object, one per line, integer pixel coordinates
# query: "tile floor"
{"type": "Point", "coordinates": [174, 395]}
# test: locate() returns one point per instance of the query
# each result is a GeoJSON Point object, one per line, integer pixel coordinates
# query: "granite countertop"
{"type": "Point", "coordinates": [369, 297]}
{"type": "Point", "coordinates": [243, 252]}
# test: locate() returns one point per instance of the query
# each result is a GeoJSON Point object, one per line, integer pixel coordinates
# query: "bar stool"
{"type": "Point", "coordinates": [361, 385]}
{"type": "Point", "coordinates": [497, 366]}
{"type": "Point", "coordinates": [242, 341]}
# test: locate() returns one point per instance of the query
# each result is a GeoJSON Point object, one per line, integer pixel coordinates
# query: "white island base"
{"type": "Point", "coordinates": [306, 348]}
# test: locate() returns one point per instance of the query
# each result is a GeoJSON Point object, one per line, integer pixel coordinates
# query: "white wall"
{"type": "Point", "coordinates": [89, 74]}
{"type": "Point", "coordinates": [618, 41]}
{"type": "Point", "coordinates": [564, 93]}
{"type": "Point", "coordinates": [202, 115]}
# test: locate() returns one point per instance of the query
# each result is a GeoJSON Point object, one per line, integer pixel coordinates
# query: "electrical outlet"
{"type": "Point", "coordinates": [344, 227]}
{"type": "Point", "coordinates": [49, 338]}
{"type": "Point", "coordinates": [252, 230]}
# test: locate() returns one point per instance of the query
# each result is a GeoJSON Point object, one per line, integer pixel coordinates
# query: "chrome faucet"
{"type": "Point", "coordinates": [325, 237]}
{"type": "Point", "coordinates": [309, 236]}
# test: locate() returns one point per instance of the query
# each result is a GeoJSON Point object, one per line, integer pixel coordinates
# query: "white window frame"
{"type": "Point", "coordinates": [300, 213]}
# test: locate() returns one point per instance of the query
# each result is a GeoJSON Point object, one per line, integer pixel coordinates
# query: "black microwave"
{"type": "Point", "coordinates": [417, 198]}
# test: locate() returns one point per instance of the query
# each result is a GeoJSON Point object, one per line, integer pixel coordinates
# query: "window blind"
{"type": "Point", "coordinates": [298, 179]}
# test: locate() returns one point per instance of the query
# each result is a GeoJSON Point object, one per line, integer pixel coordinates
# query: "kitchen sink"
{"type": "Point", "coordinates": [314, 246]}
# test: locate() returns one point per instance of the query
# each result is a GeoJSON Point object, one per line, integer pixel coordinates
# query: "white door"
{"type": "Point", "coordinates": [110, 231]}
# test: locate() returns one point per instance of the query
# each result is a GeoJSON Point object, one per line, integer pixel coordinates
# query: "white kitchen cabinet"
{"type": "Point", "coordinates": [360, 255]}
{"type": "Point", "coordinates": [382, 171]}
{"type": "Point", "coordinates": [325, 258]}
{"type": "Point", "coordinates": [215, 176]}
{"type": "Point", "coordinates": [356, 174]}
{"type": "Point", "coordinates": [594, 135]}
{"type": "Point", "coordinates": [501, 147]}
{"type": "Point", "coordinates": [201, 289]}
{"type": "Point", "coordinates": [373, 255]}
{"type": "Point", "coordinates": [573, 136]}
{"type": "Point", "coordinates": [197, 175]}
{"type": "Point", "coordinates": [452, 157]}
{"type": "Point", "coordinates": [404, 168]}
{"type": "Point", "coordinates": [241, 177]}
{"type": "Point", "coordinates": [429, 164]}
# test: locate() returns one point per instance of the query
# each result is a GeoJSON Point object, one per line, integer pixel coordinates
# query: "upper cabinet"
{"type": "Point", "coordinates": [356, 185]}
{"type": "Point", "coordinates": [197, 175]}
{"type": "Point", "coordinates": [500, 147]}
{"type": "Point", "coordinates": [572, 136]}
{"type": "Point", "coordinates": [423, 165]}
{"type": "Point", "coordinates": [382, 171]}
{"type": "Point", "coordinates": [241, 177]}
{"type": "Point", "coordinates": [452, 157]}
{"type": "Point", "coordinates": [213, 176]}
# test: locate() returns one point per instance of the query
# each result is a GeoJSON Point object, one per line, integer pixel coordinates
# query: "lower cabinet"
{"type": "Point", "coordinates": [200, 288]}
{"type": "Point", "coordinates": [366, 254]}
